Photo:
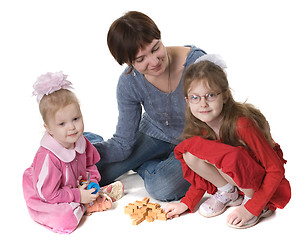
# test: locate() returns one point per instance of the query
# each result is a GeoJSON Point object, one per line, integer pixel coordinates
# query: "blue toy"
{"type": "Point", "coordinates": [94, 185]}
{"type": "Point", "coordinates": [91, 184]}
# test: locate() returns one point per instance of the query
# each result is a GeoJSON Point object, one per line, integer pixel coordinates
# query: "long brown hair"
{"type": "Point", "coordinates": [216, 80]}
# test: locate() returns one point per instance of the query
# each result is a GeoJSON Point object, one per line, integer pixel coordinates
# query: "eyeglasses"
{"type": "Point", "coordinates": [209, 97]}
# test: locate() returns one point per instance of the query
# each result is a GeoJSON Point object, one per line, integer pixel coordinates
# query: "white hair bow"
{"type": "Point", "coordinates": [214, 58]}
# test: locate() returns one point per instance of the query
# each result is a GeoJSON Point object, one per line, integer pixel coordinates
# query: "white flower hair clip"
{"type": "Point", "coordinates": [49, 83]}
{"type": "Point", "coordinates": [214, 58]}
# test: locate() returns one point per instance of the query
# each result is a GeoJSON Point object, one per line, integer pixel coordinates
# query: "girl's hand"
{"type": "Point", "coordinates": [175, 209]}
{"type": "Point", "coordinates": [239, 216]}
{"type": "Point", "coordinates": [86, 195]}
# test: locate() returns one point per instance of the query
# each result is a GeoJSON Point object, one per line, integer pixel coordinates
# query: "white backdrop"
{"type": "Point", "coordinates": [260, 41]}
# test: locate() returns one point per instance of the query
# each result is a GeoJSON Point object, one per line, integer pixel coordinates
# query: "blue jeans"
{"type": "Point", "coordinates": [154, 161]}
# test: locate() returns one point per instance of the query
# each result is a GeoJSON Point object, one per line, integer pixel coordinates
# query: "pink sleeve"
{"type": "Point", "coordinates": [47, 180]}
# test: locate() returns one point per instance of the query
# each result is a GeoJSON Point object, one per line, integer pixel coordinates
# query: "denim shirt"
{"type": "Point", "coordinates": [163, 117]}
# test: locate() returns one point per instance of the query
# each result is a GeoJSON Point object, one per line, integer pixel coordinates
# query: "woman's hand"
{"type": "Point", "coordinates": [239, 216]}
{"type": "Point", "coordinates": [86, 195]}
{"type": "Point", "coordinates": [175, 209]}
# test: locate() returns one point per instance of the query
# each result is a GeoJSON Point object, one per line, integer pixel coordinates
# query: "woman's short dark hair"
{"type": "Point", "coordinates": [130, 33]}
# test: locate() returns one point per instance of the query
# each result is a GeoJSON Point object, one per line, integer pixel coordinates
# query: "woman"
{"type": "Point", "coordinates": [153, 80]}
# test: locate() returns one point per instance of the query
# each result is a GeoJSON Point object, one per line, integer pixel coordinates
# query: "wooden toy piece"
{"type": "Point", "coordinates": [153, 205]}
{"type": "Point", "coordinates": [135, 216]}
{"type": "Point", "coordinates": [162, 216]}
{"type": "Point", "coordinates": [146, 200]}
{"type": "Point", "coordinates": [152, 214]}
{"type": "Point", "coordinates": [144, 210]}
{"type": "Point", "coordinates": [132, 206]}
{"type": "Point", "coordinates": [138, 221]}
{"type": "Point", "coordinates": [128, 210]}
{"type": "Point", "coordinates": [157, 210]}
{"type": "Point", "coordinates": [139, 203]}
{"type": "Point", "coordinates": [149, 219]}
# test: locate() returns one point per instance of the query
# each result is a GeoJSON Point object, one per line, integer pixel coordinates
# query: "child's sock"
{"type": "Point", "coordinates": [246, 198]}
{"type": "Point", "coordinates": [226, 188]}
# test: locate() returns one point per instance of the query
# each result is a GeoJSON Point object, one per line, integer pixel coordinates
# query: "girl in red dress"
{"type": "Point", "coordinates": [228, 152]}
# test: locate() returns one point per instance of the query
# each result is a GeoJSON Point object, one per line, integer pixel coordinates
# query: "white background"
{"type": "Point", "coordinates": [260, 41]}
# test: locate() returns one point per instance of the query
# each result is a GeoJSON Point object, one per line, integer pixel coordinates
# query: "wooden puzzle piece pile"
{"type": "Point", "coordinates": [145, 210]}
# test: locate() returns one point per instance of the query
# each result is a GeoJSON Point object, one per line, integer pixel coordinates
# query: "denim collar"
{"type": "Point", "coordinates": [64, 154]}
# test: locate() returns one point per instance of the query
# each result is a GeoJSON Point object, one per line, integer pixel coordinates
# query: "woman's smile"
{"type": "Point", "coordinates": [157, 67]}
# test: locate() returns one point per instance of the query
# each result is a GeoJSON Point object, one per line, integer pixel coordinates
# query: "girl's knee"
{"type": "Point", "coordinates": [194, 162]}
{"type": "Point", "coordinates": [245, 171]}
{"type": "Point", "coordinates": [190, 159]}
{"type": "Point", "coordinates": [68, 218]}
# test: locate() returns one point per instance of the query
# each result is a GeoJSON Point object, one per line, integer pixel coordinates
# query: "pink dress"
{"type": "Point", "coordinates": [50, 184]}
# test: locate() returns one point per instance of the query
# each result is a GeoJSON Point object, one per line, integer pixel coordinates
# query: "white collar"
{"type": "Point", "coordinates": [64, 154]}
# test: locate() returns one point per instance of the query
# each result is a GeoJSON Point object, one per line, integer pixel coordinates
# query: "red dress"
{"type": "Point", "coordinates": [260, 168]}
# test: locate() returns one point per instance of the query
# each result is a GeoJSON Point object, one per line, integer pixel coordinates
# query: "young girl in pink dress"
{"type": "Point", "coordinates": [228, 151]}
{"type": "Point", "coordinates": [51, 185]}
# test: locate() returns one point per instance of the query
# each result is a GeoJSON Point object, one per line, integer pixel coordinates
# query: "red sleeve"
{"type": "Point", "coordinates": [268, 158]}
{"type": "Point", "coordinates": [192, 197]}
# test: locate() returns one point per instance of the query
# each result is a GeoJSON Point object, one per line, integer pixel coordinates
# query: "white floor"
{"type": "Point", "coordinates": [259, 40]}
{"type": "Point", "coordinates": [114, 224]}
